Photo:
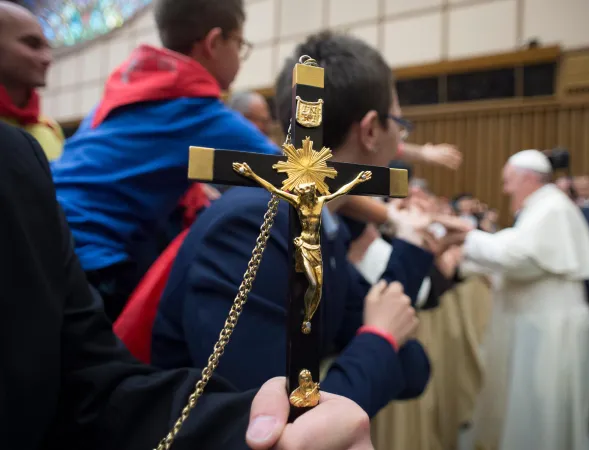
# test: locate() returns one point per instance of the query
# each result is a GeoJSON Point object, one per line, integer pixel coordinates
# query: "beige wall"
{"type": "Point", "coordinates": [408, 32]}
{"type": "Point", "coordinates": [76, 79]}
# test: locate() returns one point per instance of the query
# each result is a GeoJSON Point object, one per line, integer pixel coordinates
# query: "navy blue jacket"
{"type": "Point", "coordinates": [206, 276]}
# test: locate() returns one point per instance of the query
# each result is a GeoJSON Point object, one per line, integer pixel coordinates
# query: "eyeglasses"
{"type": "Point", "coordinates": [245, 47]}
{"type": "Point", "coordinates": [405, 126]}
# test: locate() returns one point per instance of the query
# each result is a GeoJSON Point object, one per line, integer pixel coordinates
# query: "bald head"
{"type": "Point", "coordinates": [14, 16]}
{"type": "Point", "coordinates": [7, 8]}
{"type": "Point", "coordinates": [25, 54]}
{"type": "Point", "coordinates": [254, 107]}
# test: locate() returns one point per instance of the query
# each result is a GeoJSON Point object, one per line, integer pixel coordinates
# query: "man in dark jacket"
{"type": "Point", "coordinates": [67, 383]}
{"type": "Point", "coordinates": [210, 265]}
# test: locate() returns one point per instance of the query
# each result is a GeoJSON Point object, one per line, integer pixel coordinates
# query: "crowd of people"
{"type": "Point", "coordinates": [118, 274]}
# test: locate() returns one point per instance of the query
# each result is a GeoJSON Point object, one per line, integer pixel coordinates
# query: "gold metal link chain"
{"type": "Point", "coordinates": [234, 313]}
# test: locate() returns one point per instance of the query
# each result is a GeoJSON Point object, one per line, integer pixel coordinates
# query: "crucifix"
{"type": "Point", "coordinates": [309, 185]}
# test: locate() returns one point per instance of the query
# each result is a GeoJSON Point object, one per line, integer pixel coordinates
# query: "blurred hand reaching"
{"type": "Point", "coordinates": [444, 155]}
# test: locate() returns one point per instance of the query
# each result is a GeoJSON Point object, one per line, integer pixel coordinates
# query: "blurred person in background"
{"type": "Point", "coordinates": [490, 220]}
{"type": "Point", "coordinates": [537, 349]}
{"type": "Point", "coordinates": [465, 206]}
{"type": "Point", "coordinates": [25, 57]}
{"type": "Point", "coordinates": [581, 185]}
{"type": "Point", "coordinates": [565, 184]}
{"type": "Point", "coordinates": [254, 108]}
{"type": "Point", "coordinates": [569, 186]}
{"type": "Point", "coordinates": [476, 212]}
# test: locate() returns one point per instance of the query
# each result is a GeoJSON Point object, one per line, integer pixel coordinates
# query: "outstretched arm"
{"type": "Point", "coordinates": [245, 170]}
{"type": "Point", "coordinates": [361, 178]}
{"type": "Point", "coordinates": [444, 155]}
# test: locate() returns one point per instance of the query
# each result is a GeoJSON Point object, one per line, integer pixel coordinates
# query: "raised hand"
{"type": "Point", "coordinates": [387, 308]}
{"type": "Point", "coordinates": [409, 224]}
{"type": "Point", "coordinates": [431, 242]}
{"type": "Point", "coordinates": [243, 169]}
{"type": "Point", "coordinates": [453, 238]}
{"type": "Point", "coordinates": [412, 216]}
{"type": "Point", "coordinates": [444, 155]}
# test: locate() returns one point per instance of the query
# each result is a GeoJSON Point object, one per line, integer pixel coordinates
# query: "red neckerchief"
{"type": "Point", "coordinates": [193, 202]}
{"type": "Point", "coordinates": [24, 116]}
{"type": "Point", "coordinates": [154, 74]}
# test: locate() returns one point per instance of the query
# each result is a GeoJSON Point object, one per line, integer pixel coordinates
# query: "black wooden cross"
{"type": "Point", "coordinates": [217, 166]}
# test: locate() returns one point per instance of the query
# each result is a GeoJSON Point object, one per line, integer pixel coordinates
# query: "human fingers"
{"type": "Point", "coordinates": [451, 156]}
{"type": "Point", "coordinates": [376, 291]}
{"type": "Point", "coordinates": [429, 237]}
{"type": "Point", "coordinates": [337, 423]}
{"type": "Point", "coordinates": [393, 289]}
{"type": "Point", "coordinates": [406, 321]}
{"type": "Point", "coordinates": [268, 415]}
{"type": "Point", "coordinates": [412, 328]}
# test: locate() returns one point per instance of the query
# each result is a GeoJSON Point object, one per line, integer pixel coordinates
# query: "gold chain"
{"type": "Point", "coordinates": [231, 322]}
{"type": "Point", "coordinates": [236, 309]}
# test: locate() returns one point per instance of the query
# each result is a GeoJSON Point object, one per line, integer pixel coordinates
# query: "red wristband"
{"type": "Point", "coordinates": [400, 149]}
{"type": "Point", "coordinates": [379, 332]}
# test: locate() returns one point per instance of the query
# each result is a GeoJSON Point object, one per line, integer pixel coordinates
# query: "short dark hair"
{"type": "Point", "coordinates": [181, 23]}
{"type": "Point", "coordinates": [357, 80]}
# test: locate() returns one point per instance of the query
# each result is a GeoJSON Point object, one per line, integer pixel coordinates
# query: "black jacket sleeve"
{"type": "Point", "coordinates": [68, 381]}
{"type": "Point", "coordinates": [117, 402]}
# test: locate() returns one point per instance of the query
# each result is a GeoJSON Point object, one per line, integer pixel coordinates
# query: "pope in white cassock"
{"type": "Point", "coordinates": [536, 393]}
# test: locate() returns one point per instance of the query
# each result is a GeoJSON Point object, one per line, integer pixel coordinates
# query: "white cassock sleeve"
{"type": "Point", "coordinates": [502, 252]}
{"type": "Point", "coordinates": [469, 268]}
{"type": "Point", "coordinates": [551, 236]}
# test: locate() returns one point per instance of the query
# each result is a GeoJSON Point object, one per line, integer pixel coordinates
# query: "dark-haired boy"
{"type": "Point", "coordinates": [209, 267]}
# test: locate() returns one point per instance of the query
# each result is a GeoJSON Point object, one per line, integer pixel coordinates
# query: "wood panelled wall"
{"type": "Point", "coordinates": [487, 133]}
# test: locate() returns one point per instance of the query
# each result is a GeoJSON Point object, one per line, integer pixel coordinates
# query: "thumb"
{"type": "Point", "coordinates": [268, 415]}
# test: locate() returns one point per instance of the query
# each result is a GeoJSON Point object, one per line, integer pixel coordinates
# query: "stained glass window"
{"type": "Point", "coordinates": [69, 22]}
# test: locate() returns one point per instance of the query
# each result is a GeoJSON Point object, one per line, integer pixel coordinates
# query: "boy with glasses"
{"type": "Point", "coordinates": [124, 170]}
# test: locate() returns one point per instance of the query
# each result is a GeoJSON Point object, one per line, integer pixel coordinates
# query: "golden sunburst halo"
{"type": "Point", "coordinates": [305, 165]}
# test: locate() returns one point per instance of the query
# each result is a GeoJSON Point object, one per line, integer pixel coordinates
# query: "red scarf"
{"type": "Point", "coordinates": [154, 74]}
{"type": "Point", "coordinates": [24, 116]}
